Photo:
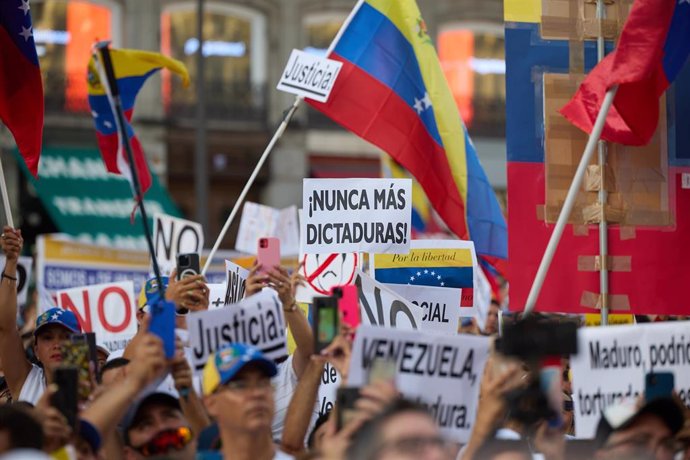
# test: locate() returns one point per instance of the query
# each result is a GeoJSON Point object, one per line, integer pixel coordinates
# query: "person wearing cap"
{"type": "Point", "coordinates": [626, 430]}
{"type": "Point", "coordinates": [26, 381]}
{"type": "Point", "coordinates": [238, 394]}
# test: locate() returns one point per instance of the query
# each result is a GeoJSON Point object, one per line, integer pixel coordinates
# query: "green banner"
{"type": "Point", "coordinates": [87, 202]}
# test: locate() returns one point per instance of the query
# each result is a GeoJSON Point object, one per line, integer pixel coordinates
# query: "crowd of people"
{"type": "Point", "coordinates": [141, 404]}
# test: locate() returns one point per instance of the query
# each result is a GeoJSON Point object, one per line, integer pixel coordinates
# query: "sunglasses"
{"type": "Point", "coordinates": [165, 441]}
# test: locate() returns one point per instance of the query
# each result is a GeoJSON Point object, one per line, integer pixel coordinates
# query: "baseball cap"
{"type": "Point", "coordinates": [622, 415]}
{"type": "Point", "coordinates": [224, 365]}
{"type": "Point", "coordinates": [150, 290]}
{"type": "Point", "coordinates": [156, 395]}
{"type": "Point", "coordinates": [56, 315]}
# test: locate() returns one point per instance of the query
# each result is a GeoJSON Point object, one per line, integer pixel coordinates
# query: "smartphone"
{"type": "Point", "coordinates": [268, 253]}
{"type": "Point", "coordinates": [658, 385]}
{"type": "Point", "coordinates": [80, 352]}
{"type": "Point", "coordinates": [188, 265]}
{"type": "Point", "coordinates": [65, 398]}
{"type": "Point", "coordinates": [345, 403]}
{"type": "Point", "coordinates": [348, 304]}
{"type": "Point", "coordinates": [325, 321]}
{"type": "Point", "coordinates": [382, 369]}
{"type": "Point", "coordinates": [163, 324]}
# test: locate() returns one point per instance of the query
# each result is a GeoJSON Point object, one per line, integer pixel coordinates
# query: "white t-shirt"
{"type": "Point", "coordinates": [34, 386]}
{"type": "Point", "coordinates": [280, 455]}
{"type": "Point", "coordinates": [284, 383]}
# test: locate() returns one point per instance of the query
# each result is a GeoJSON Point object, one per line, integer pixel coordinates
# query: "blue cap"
{"type": "Point", "coordinates": [223, 365]}
{"type": "Point", "coordinates": [151, 288]}
{"type": "Point", "coordinates": [56, 315]}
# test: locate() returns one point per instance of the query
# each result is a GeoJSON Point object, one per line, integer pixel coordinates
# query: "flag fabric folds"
{"type": "Point", "coordinates": [652, 50]}
{"type": "Point", "coordinates": [132, 68]}
{"type": "Point", "coordinates": [21, 88]}
{"type": "Point", "coordinates": [392, 92]}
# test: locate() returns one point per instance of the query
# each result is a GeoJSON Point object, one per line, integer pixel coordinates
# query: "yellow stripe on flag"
{"type": "Point", "coordinates": [425, 258]}
{"type": "Point", "coordinates": [522, 11]}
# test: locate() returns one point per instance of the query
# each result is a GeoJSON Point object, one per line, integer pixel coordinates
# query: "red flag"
{"type": "Point", "coordinates": [21, 89]}
{"type": "Point", "coordinates": [653, 48]}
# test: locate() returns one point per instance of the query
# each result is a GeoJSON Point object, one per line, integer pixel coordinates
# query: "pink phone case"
{"type": "Point", "coordinates": [268, 253]}
{"type": "Point", "coordinates": [348, 305]}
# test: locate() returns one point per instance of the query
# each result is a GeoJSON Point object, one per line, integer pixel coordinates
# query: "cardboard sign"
{"type": "Point", "coordinates": [443, 372]}
{"type": "Point", "coordinates": [356, 215]}
{"type": "Point", "coordinates": [257, 321]}
{"type": "Point", "coordinates": [612, 363]}
{"type": "Point", "coordinates": [24, 265]}
{"type": "Point", "coordinates": [323, 272]}
{"type": "Point", "coordinates": [216, 295]}
{"type": "Point", "coordinates": [260, 221]}
{"type": "Point", "coordinates": [235, 280]}
{"type": "Point", "coordinates": [309, 75]}
{"type": "Point", "coordinates": [173, 236]}
{"type": "Point", "coordinates": [440, 305]}
{"type": "Point", "coordinates": [382, 307]}
{"type": "Point", "coordinates": [437, 263]}
{"type": "Point", "coordinates": [109, 310]}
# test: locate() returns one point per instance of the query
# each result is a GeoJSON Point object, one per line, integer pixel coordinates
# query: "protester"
{"type": "Point", "coordinates": [239, 396]}
{"type": "Point", "coordinates": [19, 429]}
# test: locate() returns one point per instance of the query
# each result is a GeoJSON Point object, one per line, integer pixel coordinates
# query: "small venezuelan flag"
{"type": "Point", "coordinates": [132, 68]}
{"type": "Point", "coordinates": [392, 92]}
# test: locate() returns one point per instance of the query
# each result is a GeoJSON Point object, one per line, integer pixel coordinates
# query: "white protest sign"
{"type": "Point", "coordinates": [356, 215]}
{"type": "Point", "coordinates": [379, 306]}
{"type": "Point", "coordinates": [173, 236]}
{"type": "Point", "coordinates": [24, 265]}
{"type": "Point", "coordinates": [323, 272]}
{"type": "Point", "coordinates": [440, 305]}
{"type": "Point", "coordinates": [257, 320]}
{"type": "Point", "coordinates": [443, 372]}
{"type": "Point", "coordinates": [216, 295]}
{"type": "Point", "coordinates": [259, 221]}
{"type": "Point", "coordinates": [330, 381]}
{"type": "Point", "coordinates": [109, 310]}
{"type": "Point", "coordinates": [612, 362]}
{"type": "Point", "coordinates": [235, 279]}
{"type": "Point", "coordinates": [309, 75]}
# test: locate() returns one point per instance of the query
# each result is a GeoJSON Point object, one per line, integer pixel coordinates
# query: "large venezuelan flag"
{"type": "Point", "coordinates": [392, 92]}
{"type": "Point", "coordinates": [132, 69]}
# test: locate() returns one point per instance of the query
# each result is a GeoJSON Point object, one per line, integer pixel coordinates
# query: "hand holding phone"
{"type": "Point", "coordinates": [65, 398]}
{"type": "Point", "coordinates": [188, 265]}
{"type": "Point", "coordinates": [268, 254]}
{"type": "Point", "coordinates": [346, 397]}
{"type": "Point", "coordinates": [325, 321]}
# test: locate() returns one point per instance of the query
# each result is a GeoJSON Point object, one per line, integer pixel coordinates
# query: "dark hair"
{"type": "Point", "coordinates": [366, 440]}
{"type": "Point", "coordinates": [114, 363]}
{"type": "Point", "coordinates": [25, 432]}
{"type": "Point", "coordinates": [494, 447]}
{"type": "Point", "coordinates": [323, 418]}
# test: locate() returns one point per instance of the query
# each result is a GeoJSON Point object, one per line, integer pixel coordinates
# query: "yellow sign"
{"type": "Point", "coordinates": [594, 319]}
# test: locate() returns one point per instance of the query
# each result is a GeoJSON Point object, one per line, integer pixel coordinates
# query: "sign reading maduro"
{"type": "Point", "coordinates": [356, 215]}
{"type": "Point", "coordinates": [257, 321]}
{"type": "Point", "coordinates": [442, 372]}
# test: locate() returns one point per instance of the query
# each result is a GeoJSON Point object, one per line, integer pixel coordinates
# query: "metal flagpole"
{"type": "Point", "coordinates": [113, 91]}
{"type": "Point", "coordinates": [569, 201]}
{"type": "Point", "coordinates": [5, 197]}
{"type": "Point", "coordinates": [201, 154]}
{"type": "Point", "coordinates": [279, 132]}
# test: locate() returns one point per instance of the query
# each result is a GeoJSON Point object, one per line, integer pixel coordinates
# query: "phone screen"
{"type": "Point", "coordinates": [327, 324]}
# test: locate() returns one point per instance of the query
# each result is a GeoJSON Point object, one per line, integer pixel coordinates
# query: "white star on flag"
{"type": "Point", "coordinates": [418, 106]}
{"type": "Point", "coordinates": [108, 124]}
{"type": "Point", "coordinates": [26, 33]}
{"type": "Point", "coordinates": [25, 7]}
{"type": "Point", "coordinates": [427, 99]}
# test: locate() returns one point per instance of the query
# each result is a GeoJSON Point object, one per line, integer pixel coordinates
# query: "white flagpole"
{"type": "Point", "coordinates": [569, 201]}
{"type": "Point", "coordinates": [5, 197]}
{"type": "Point", "coordinates": [279, 132]}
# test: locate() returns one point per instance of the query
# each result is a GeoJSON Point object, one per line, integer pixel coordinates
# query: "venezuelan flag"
{"type": "Point", "coordinates": [132, 68]}
{"type": "Point", "coordinates": [392, 92]}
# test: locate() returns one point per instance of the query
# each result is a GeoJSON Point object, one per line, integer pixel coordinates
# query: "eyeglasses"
{"type": "Point", "coordinates": [414, 445]}
{"type": "Point", "coordinates": [164, 441]}
{"type": "Point", "coordinates": [246, 385]}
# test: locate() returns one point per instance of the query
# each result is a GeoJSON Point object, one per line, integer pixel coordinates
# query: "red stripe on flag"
{"type": "Point", "coordinates": [376, 113]}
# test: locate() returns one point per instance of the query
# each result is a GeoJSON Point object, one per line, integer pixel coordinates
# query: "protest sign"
{"type": "Point", "coordinates": [612, 361]}
{"type": "Point", "coordinates": [594, 319]}
{"type": "Point", "coordinates": [173, 236]}
{"type": "Point", "coordinates": [440, 305]}
{"type": "Point", "coordinates": [216, 295]}
{"type": "Point", "coordinates": [309, 75]}
{"type": "Point", "coordinates": [109, 310]}
{"type": "Point", "coordinates": [24, 265]}
{"type": "Point", "coordinates": [259, 221]}
{"type": "Point", "coordinates": [235, 279]}
{"type": "Point", "coordinates": [323, 272]}
{"type": "Point", "coordinates": [330, 381]}
{"type": "Point", "coordinates": [356, 215]}
{"type": "Point", "coordinates": [257, 321]}
{"type": "Point", "coordinates": [438, 263]}
{"type": "Point", "coordinates": [443, 372]}
{"type": "Point", "coordinates": [380, 306]}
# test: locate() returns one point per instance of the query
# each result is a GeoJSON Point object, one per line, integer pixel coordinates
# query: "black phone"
{"type": "Point", "coordinates": [658, 385]}
{"type": "Point", "coordinates": [188, 265]}
{"type": "Point", "coordinates": [345, 403]}
{"type": "Point", "coordinates": [325, 321]}
{"type": "Point", "coordinates": [65, 398]}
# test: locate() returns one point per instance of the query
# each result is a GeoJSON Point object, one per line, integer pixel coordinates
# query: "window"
{"type": "Point", "coordinates": [234, 51]}
{"type": "Point", "coordinates": [64, 31]}
{"type": "Point", "coordinates": [320, 30]}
